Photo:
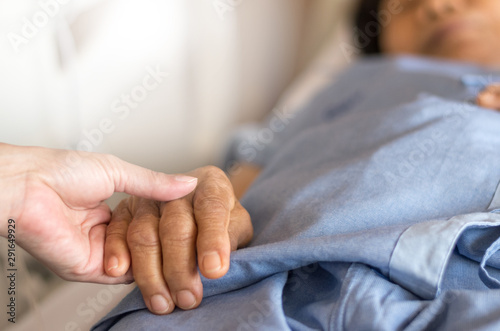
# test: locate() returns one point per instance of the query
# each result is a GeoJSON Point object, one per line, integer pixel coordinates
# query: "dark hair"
{"type": "Point", "coordinates": [363, 16]}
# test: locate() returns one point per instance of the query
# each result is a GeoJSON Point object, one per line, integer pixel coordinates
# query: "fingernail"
{"type": "Point", "coordinates": [159, 304]}
{"type": "Point", "coordinates": [185, 179]}
{"type": "Point", "coordinates": [185, 299]}
{"type": "Point", "coordinates": [112, 263]}
{"type": "Point", "coordinates": [212, 262]}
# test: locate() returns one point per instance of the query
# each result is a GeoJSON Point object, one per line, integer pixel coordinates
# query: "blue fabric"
{"type": "Point", "coordinates": [371, 213]}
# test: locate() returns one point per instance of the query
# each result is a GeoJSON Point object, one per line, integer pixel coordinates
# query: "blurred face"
{"type": "Point", "coordinates": [467, 30]}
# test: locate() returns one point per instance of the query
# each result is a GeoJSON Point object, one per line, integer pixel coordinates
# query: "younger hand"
{"type": "Point", "coordinates": [56, 199]}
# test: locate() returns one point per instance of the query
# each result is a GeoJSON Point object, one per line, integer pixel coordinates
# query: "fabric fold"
{"type": "Point", "coordinates": [485, 276]}
{"type": "Point", "coordinates": [423, 250]}
{"type": "Point", "coordinates": [495, 203]}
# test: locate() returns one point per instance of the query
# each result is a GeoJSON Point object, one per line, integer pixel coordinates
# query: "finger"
{"type": "Point", "coordinates": [149, 184]}
{"type": "Point", "coordinates": [144, 244]}
{"type": "Point", "coordinates": [97, 215]}
{"type": "Point", "coordinates": [116, 252]}
{"type": "Point", "coordinates": [96, 238]}
{"type": "Point", "coordinates": [240, 227]}
{"type": "Point", "coordinates": [92, 268]}
{"type": "Point", "coordinates": [213, 201]}
{"type": "Point", "coordinates": [178, 239]}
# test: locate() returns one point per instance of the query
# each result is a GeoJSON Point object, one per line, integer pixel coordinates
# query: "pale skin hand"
{"type": "Point", "coordinates": [168, 240]}
{"type": "Point", "coordinates": [56, 199]}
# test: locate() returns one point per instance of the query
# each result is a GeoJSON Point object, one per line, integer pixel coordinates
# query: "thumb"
{"type": "Point", "coordinates": [145, 183]}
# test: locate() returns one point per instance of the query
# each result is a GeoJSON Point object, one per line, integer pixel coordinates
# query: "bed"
{"type": "Point", "coordinates": [377, 209]}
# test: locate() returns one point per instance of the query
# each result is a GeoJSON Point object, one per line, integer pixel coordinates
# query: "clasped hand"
{"type": "Point", "coordinates": [162, 243]}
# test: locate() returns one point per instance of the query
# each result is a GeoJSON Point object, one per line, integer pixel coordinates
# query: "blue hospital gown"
{"type": "Point", "coordinates": [376, 210]}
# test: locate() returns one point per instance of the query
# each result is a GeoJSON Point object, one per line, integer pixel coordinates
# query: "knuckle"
{"type": "Point", "coordinates": [215, 189]}
{"type": "Point", "coordinates": [181, 240]}
{"type": "Point", "coordinates": [211, 205]}
{"type": "Point", "coordinates": [142, 237]}
{"type": "Point", "coordinates": [111, 160]}
{"type": "Point", "coordinates": [175, 233]}
{"type": "Point", "coordinates": [153, 176]}
{"type": "Point", "coordinates": [177, 274]}
{"type": "Point", "coordinates": [210, 169]}
{"type": "Point", "coordinates": [243, 213]}
{"type": "Point", "coordinates": [117, 227]}
{"type": "Point", "coordinates": [112, 236]}
{"type": "Point", "coordinates": [211, 187]}
{"type": "Point", "coordinates": [176, 209]}
{"type": "Point", "coordinates": [147, 208]}
{"type": "Point", "coordinates": [213, 174]}
{"type": "Point", "coordinates": [122, 206]}
{"type": "Point", "coordinates": [145, 281]}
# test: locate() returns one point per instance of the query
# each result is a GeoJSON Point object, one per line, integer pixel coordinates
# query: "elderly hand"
{"type": "Point", "coordinates": [167, 239]}
{"type": "Point", "coordinates": [55, 198]}
{"type": "Point", "coordinates": [490, 97]}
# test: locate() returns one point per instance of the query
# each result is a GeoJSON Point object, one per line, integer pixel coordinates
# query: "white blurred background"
{"type": "Point", "coordinates": [159, 83]}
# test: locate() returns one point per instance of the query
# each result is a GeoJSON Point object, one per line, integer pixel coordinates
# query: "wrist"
{"type": "Point", "coordinates": [14, 167]}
